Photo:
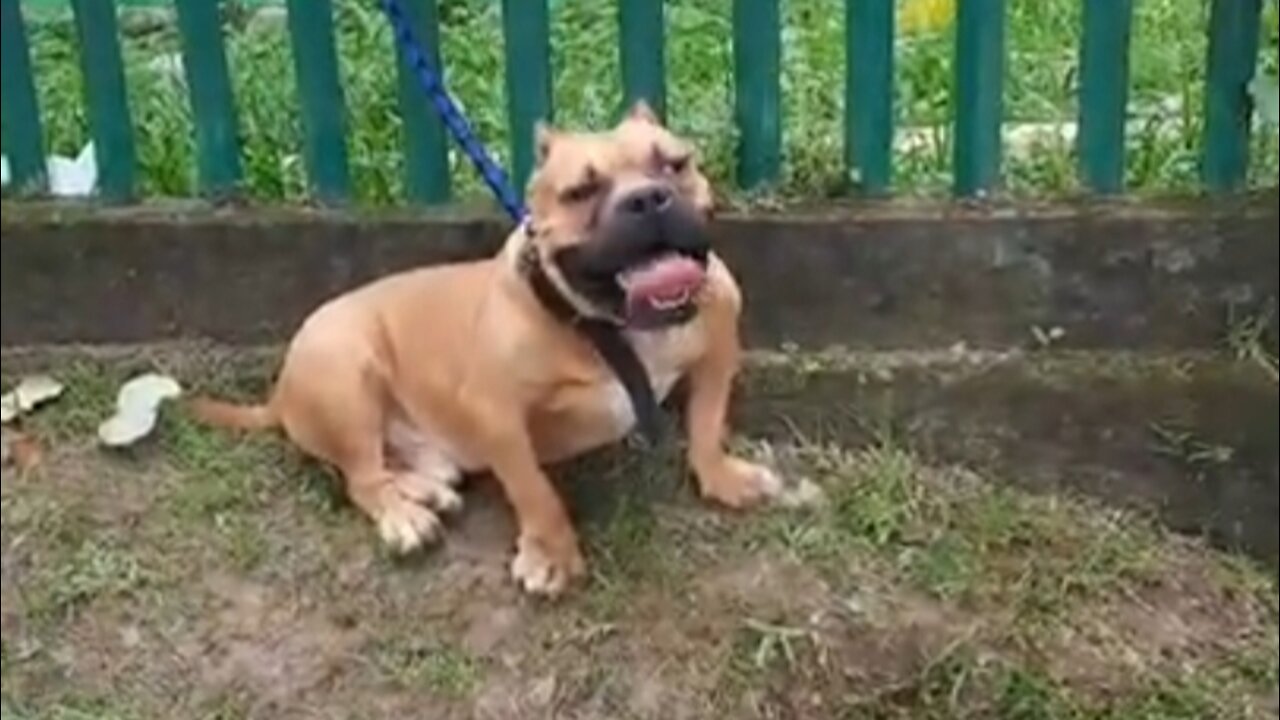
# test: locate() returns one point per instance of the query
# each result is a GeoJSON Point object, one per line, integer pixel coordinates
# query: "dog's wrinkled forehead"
{"type": "Point", "coordinates": [579, 173]}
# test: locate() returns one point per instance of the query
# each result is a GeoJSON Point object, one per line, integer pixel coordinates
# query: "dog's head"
{"type": "Point", "coordinates": [621, 216]}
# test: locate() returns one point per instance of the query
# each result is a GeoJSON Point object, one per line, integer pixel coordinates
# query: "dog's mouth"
{"type": "Point", "coordinates": [661, 290]}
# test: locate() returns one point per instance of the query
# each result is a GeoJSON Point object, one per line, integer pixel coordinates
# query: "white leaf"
{"type": "Point", "coordinates": [1266, 98]}
{"type": "Point", "coordinates": [137, 408]}
{"type": "Point", "coordinates": [30, 393]}
{"type": "Point", "coordinates": [146, 392]}
{"type": "Point", "coordinates": [123, 430]}
{"type": "Point", "coordinates": [36, 390]}
{"type": "Point", "coordinates": [73, 178]}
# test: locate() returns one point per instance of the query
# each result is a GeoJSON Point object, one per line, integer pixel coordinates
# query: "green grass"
{"type": "Point", "coordinates": [968, 686]}
{"type": "Point", "coordinates": [1167, 94]}
{"type": "Point", "coordinates": [964, 540]}
{"type": "Point", "coordinates": [440, 668]}
{"type": "Point", "coordinates": [1029, 564]}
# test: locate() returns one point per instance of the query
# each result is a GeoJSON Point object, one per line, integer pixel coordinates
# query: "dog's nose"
{"type": "Point", "coordinates": [646, 201]}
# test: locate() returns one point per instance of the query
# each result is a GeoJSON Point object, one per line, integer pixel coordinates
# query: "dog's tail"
{"type": "Point", "coordinates": [233, 416]}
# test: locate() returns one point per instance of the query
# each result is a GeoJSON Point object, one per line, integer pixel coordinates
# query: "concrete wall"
{"type": "Point", "coordinates": [1076, 348]}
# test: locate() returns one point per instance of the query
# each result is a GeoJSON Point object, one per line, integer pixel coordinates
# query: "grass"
{"type": "Point", "coordinates": [442, 669]}
{"type": "Point", "coordinates": [204, 575]}
{"type": "Point", "coordinates": [1167, 66]}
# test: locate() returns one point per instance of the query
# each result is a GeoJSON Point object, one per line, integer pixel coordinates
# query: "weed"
{"type": "Point", "coordinates": [1184, 447]}
{"type": "Point", "coordinates": [1247, 340]}
{"type": "Point", "coordinates": [773, 645]}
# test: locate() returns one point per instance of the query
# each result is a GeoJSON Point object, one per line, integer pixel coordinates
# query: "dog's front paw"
{"type": "Point", "coordinates": [546, 568]}
{"type": "Point", "coordinates": [740, 484]}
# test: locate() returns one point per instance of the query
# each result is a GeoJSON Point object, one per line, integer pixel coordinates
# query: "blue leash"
{"type": "Point", "coordinates": [450, 114]}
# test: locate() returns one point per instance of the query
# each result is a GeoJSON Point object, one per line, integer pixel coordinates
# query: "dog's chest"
{"type": "Point", "coordinates": [666, 356]}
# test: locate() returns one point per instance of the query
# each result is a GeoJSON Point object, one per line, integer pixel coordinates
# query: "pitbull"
{"type": "Point", "coordinates": [596, 306]}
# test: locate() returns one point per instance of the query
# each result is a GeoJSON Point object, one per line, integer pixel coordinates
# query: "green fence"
{"type": "Point", "coordinates": [979, 67]}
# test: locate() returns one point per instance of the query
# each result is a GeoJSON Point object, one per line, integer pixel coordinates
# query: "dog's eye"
{"type": "Point", "coordinates": [580, 193]}
{"type": "Point", "coordinates": [677, 165]}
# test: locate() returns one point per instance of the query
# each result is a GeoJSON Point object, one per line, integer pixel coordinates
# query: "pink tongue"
{"type": "Point", "coordinates": [665, 278]}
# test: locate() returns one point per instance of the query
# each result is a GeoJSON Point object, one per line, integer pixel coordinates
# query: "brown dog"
{"type": "Point", "coordinates": [410, 381]}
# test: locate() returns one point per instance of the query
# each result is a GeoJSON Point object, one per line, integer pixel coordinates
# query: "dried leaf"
{"type": "Point", "coordinates": [137, 408]}
{"type": "Point", "coordinates": [25, 451]}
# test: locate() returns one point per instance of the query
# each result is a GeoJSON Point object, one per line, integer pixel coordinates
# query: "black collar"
{"type": "Point", "coordinates": [605, 336]}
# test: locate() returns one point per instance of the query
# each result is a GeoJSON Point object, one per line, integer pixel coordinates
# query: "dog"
{"type": "Point", "coordinates": [409, 382]}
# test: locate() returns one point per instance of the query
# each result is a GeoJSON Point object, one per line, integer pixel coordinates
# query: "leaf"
{"type": "Point", "coordinates": [4, 172]}
{"type": "Point", "coordinates": [1266, 98]}
{"type": "Point", "coordinates": [30, 393]}
{"type": "Point", "coordinates": [137, 408]}
{"type": "Point", "coordinates": [24, 451]}
{"type": "Point", "coordinates": [73, 177]}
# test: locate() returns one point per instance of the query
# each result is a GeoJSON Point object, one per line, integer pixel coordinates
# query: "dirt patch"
{"type": "Point", "coordinates": [1191, 617]}
{"type": "Point", "coordinates": [275, 652]}
{"type": "Point", "coordinates": [212, 576]}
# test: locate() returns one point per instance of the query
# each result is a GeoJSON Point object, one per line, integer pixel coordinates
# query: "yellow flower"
{"type": "Point", "coordinates": [926, 16]}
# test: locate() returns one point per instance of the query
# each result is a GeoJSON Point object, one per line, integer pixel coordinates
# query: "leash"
{"type": "Point", "coordinates": [605, 337]}
{"type": "Point", "coordinates": [608, 341]}
{"type": "Point", "coordinates": [450, 114]}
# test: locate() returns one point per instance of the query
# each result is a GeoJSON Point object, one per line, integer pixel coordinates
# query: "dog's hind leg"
{"type": "Point", "coordinates": [430, 475]}
{"type": "Point", "coordinates": [342, 421]}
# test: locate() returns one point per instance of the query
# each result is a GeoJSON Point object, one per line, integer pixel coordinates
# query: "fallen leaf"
{"type": "Point", "coordinates": [137, 408]}
{"type": "Point", "coordinates": [25, 451]}
{"type": "Point", "coordinates": [30, 393]}
{"type": "Point", "coordinates": [35, 391]}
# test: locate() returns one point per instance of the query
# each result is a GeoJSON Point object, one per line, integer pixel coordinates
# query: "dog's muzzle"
{"type": "Point", "coordinates": [647, 260]}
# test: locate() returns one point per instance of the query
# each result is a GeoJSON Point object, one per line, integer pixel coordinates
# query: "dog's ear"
{"type": "Point", "coordinates": [544, 137]}
{"type": "Point", "coordinates": [641, 111]}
